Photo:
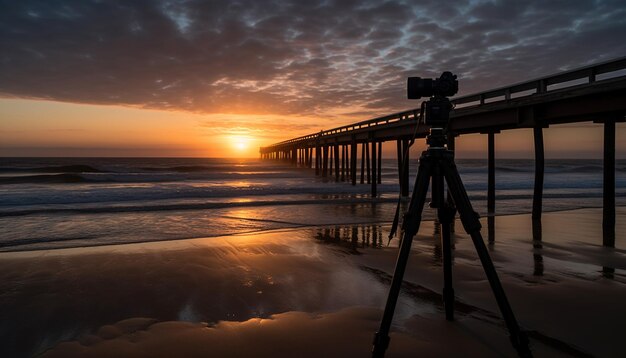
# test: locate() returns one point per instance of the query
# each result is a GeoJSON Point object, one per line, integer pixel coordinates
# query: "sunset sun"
{"type": "Point", "coordinates": [240, 143]}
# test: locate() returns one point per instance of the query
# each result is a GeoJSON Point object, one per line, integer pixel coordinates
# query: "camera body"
{"type": "Point", "coordinates": [444, 86]}
{"type": "Point", "coordinates": [437, 108]}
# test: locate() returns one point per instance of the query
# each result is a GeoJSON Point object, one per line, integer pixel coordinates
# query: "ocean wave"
{"type": "Point", "coordinates": [143, 207]}
{"type": "Point", "coordinates": [40, 240]}
{"type": "Point", "coordinates": [76, 168]}
{"type": "Point", "coordinates": [580, 169]}
{"type": "Point", "coordinates": [188, 169]}
{"type": "Point", "coordinates": [45, 179]}
{"type": "Point", "coordinates": [513, 169]}
{"type": "Point", "coordinates": [329, 199]}
{"type": "Point", "coordinates": [110, 177]}
{"type": "Point", "coordinates": [583, 169]}
{"type": "Point", "coordinates": [529, 196]}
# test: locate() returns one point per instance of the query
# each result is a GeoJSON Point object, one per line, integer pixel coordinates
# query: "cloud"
{"type": "Point", "coordinates": [289, 57]}
{"type": "Point", "coordinates": [263, 128]}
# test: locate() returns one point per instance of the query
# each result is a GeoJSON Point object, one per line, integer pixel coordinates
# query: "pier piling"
{"type": "Point", "coordinates": [491, 173]}
{"type": "Point", "coordinates": [399, 156]}
{"type": "Point", "coordinates": [374, 169]}
{"type": "Point", "coordinates": [405, 169]}
{"type": "Point", "coordinates": [367, 162]}
{"type": "Point", "coordinates": [363, 145]}
{"type": "Point", "coordinates": [353, 161]}
{"type": "Point", "coordinates": [538, 190]}
{"type": "Point", "coordinates": [380, 163]}
{"type": "Point", "coordinates": [330, 160]}
{"type": "Point", "coordinates": [318, 153]}
{"type": "Point", "coordinates": [343, 163]}
{"type": "Point", "coordinates": [336, 153]}
{"type": "Point", "coordinates": [608, 215]}
{"type": "Point", "coordinates": [325, 161]}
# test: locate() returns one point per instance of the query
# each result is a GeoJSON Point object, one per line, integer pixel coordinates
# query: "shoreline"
{"type": "Point", "coordinates": [316, 281]}
{"type": "Point", "coordinates": [292, 226]}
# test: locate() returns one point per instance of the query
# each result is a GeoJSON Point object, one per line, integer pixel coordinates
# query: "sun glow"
{"type": "Point", "coordinates": [240, 143]}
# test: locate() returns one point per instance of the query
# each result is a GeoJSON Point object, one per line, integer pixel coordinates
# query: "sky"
{"type": "Point", "coordinates": [221, 78]}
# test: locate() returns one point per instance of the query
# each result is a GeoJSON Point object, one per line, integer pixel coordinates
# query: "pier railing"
{"type": "Point", "coordinates": [577, 78]}
{"type": "Point", "coordinates": [368, 124]}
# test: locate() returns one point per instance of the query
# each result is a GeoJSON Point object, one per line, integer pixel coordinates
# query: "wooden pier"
{"type": "Point", "coordinates": [595, 93]}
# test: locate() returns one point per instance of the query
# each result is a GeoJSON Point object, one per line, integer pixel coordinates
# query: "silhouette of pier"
{"type": "Point", "coordinates": [594, 93]}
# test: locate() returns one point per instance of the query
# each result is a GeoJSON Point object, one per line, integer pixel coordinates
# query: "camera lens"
{"type": "Point", "coordinates": [418, 87]}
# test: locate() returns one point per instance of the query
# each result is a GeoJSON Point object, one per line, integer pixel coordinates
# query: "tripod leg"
{"type": "Point", "coordinates": [446, 215]}
{"type": "Point", "coordinates": [411, 226]}
{"type": "Point", "coordinates": [472, 226]}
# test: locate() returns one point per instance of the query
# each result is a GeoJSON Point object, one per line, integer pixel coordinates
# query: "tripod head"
{"type": "Point", "coordinates": [436, 114]}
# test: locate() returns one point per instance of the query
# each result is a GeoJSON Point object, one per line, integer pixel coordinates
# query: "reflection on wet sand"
{"type": "Point", "coordinates": [352, 237]}
{"type": "Point", "coordinates": [608, 272]}
{"type": "Point", "coordinates": [554, 267]}
{"type": "Point", "coordinates": [537, 242]}
{"type": "Point", "coordinates": [437, 244]}
{"type": "Point", "coordinates": [359, 236]}
{"type": "Point", "coordinates": [537, 246]}
{"type": "Point", "coordinates": [56, 296]}
{"type": "Point", "coordinates": [289, 334]}
{"type": "Point", "coordinates": [537, 258]}
{"type": "Point", "coordinates": [144, 297]}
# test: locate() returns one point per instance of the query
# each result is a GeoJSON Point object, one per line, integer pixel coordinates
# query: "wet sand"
{"type": "Point", "coordinates": [314, 292]}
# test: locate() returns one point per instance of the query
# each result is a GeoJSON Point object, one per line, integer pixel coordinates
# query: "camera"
{"type": "Point", "coordinates": [444, 86]}
{"type": "Point", "coordinates": [437, 109]}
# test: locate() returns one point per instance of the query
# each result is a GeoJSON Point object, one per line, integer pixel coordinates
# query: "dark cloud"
{"type": "Point", "coordinates": [286, 57]}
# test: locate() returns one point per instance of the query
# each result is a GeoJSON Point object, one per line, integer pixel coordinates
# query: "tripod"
{"type": "Point", "coordinates": [437, 163]}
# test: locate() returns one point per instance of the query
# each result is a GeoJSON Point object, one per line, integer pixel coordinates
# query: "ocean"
{"type": "Point", "coordinates": [48, 203]}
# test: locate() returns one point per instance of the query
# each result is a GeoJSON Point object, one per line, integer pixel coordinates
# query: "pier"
{"type": "Point", "coordinates": [594, 93]}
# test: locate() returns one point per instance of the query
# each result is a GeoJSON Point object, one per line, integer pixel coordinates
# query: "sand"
{"type": "Point", "coordinates": [314, 292]}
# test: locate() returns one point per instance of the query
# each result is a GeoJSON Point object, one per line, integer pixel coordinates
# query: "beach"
{"type": "Point", "coordinates": [225, 178]}
{"type": "Point", "coordinates": [317, 291]}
